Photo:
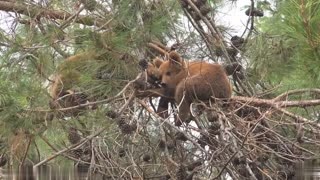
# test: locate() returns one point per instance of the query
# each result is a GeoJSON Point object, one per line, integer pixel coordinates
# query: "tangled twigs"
{"type": "Point", "coordinates": [104, 101]}
{"type": "Point", "coordinates": [166, 123]}
{"type": "Point", "coordinates": [279, 105]}
{"type": "Point", "coordinates": [198, 10]}
{"type": "Point", "coordinates": [237, 151]}
{"type": "Point", "coordinates": [246, 137]}
{"type": "Point", "coordinates": [74, 146]}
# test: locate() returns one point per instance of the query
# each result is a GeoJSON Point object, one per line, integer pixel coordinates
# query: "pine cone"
{"type": "Point", "coordinates": [3, 160]}
{"type": "Point", "coordinates": [194, 165]}
{"type": "Point", "coordinates": [202, 141]}
{"type": "Point", "coordinates": [254, 12]}
{"type": "Point", "coordinates": [143, 64]}
{"type": "Point", "coordinates": [90, 5]}
{"type": "Point", "coordinates": [162, 144]}
{"type": "Point", "coordinates": [180, 136]}
{"type": "Point", "coordinates": [195, 16]}
{"type": "Point", "coordinates": [183, 3]}
{"type": "Point", "coordinates": [212, 116]}
{"type": "Point", "coordinates": [111, 114]}
{"type": "Point", "coordinates": [125, 128]}
{"type": "Point", "coordinates": [242, 160]}
{"type": "Point", "coordinates": [77, 153]}
{"type": "Point", "coordinates": [181, 173]}
{"type": "Point", "coordinates": [205, 10]}
{"type": "Point", "coordinates": [242, 170]}
{"type": "Point", "coordinates": [122, 152]}
{"type": "Point", "coordinates": [73, 136]}
{"type": "Point", "coordinates": [232, 68]}
{"type": "Point", "coordinates": [240, 75]}
{"type": "Point", "coordinates": [237, 41]}
{"type": "Point", "coordinates": [121, 121]}
{"type": "Point", "coordinates": [134, 126]}
{"type": "Point", "coordinates": [214, 128]}
{"type": "Point", "coordinates": [199, 3]}
{"type": "Point", "coordinates": [235, 161]}
{"type": "Point", "coordinates": [146, 157]}
{"type": "Point", "coordinates": [170, 145]}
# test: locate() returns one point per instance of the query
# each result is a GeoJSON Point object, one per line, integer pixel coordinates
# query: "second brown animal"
{"type": "Point", "coordinates": [191, 81]}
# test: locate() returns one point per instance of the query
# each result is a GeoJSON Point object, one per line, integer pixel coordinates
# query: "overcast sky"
{"type": "Point", "coordinates": [232, 15]}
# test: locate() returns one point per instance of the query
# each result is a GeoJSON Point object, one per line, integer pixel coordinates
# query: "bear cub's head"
{"type": "Point", "coordinates": [171, 72]}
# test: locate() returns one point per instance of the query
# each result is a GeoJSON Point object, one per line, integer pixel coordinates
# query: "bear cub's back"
{"type": "Point", "coordinates": [205, 80]}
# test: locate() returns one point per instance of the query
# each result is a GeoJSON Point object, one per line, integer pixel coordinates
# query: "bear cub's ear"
{"type": "Point", "coordinates": [157, 62]}
{"type": "Point", "coordinates": [175, 58]}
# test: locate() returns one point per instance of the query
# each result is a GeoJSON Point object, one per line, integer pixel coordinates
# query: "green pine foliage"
{"type": "Point", "coordinates": [97, 60]}
{"type": "Point", "coordinates": [37, 49]}
{"type": "Point", "coordinates": [286, 51]}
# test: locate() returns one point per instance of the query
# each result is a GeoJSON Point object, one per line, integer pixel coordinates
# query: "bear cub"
{"type": "Point", "coordinates": [190, 81]}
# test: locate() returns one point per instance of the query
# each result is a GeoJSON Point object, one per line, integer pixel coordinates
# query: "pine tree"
{"type": "Point", "coordinates": [286, 50]}
{"type": "Point", "coordinates": [69, 91]}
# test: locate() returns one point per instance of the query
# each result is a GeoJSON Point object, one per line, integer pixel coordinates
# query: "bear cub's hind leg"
{"type": "Point", "coordinates": [183, 100]}
{"type": "Point", "coordinates": [183, 114]}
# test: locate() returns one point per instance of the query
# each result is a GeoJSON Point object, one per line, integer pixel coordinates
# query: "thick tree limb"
{"type": "Point", "coordinates": [285, 95]}
{"type": "Point", "coordinates": [157, 48]}
{"type": "Point", "coordinates": [39, 12]}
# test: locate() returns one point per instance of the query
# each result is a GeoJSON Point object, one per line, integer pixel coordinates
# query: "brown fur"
{"type": "Point", "coordinates": [152, 73]}
{"type": "Point", "coordinates": [190, 81]}
{"type": "Point", "coordinates": [153, 77]}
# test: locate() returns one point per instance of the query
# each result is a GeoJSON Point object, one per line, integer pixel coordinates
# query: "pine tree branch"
{"type": "Point", "coordinates": [279, 104]}
{"type": "Point", "coordinates": [285, 95]}
{"type": "Point", "coordinates": [75, 146]}
{"type": "Point", "coordinates": [39, 12]}
{"type": "Point", "coordinates": [215, 32]}
{"type": "Point", "coordinates": [158, 48]}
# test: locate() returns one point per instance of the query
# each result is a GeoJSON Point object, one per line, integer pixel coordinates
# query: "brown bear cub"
{"type": "Point", "coordinates": [190, 81]}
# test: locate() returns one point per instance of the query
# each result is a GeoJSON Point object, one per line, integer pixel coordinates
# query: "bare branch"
{"type": "Point", "coordinates": [39, 12]}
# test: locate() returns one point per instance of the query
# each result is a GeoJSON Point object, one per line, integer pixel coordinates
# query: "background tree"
{"type": "Point", "coordinates": [69, 68]}
{"type": "Point", "coordinates": [292, 41]}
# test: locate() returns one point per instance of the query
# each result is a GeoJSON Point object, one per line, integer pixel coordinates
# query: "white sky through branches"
{"type": "Point", "coordinates": [230, 14]}
{"type": "Point", "coordinates": [233, 15]}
